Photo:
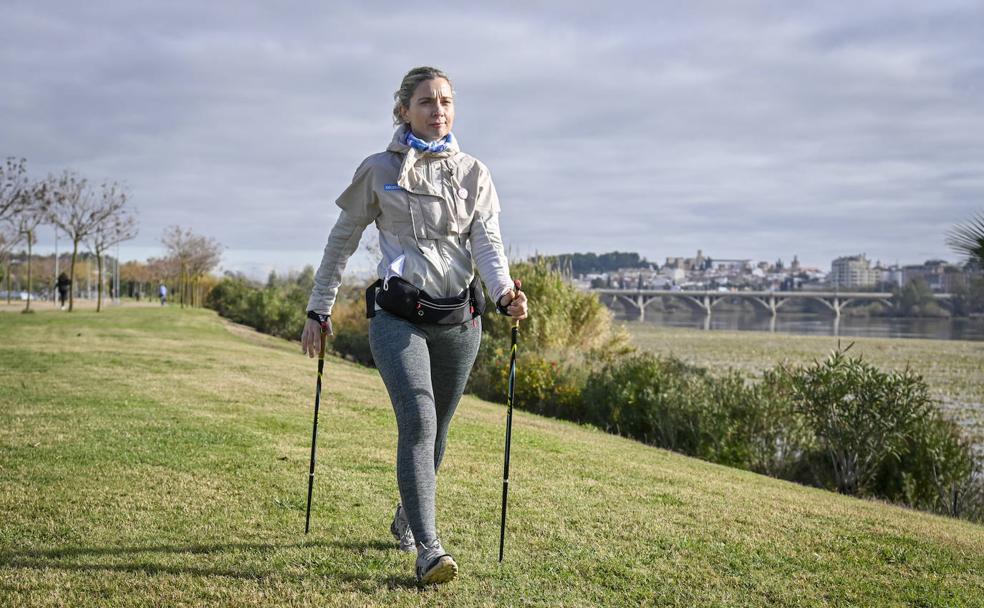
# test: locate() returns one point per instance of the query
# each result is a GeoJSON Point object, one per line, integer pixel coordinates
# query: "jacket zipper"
{"type": "Point", "coordinates": [447, 269]}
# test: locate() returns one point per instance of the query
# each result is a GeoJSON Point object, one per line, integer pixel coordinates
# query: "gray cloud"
{"type": "Point", "coordinates": [760, 130]}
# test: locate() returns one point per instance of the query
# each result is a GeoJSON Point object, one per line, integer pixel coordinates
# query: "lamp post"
{"type": "Point", "coordinates": [30, 242]}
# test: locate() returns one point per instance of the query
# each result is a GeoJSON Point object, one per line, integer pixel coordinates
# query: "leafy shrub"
{"type": "Point", "coordinates": [935, 471]}
{"type": "Point", "coordinates": [230, 298]}
{"type": "Point", "coordinates": [569, 333]}
{"type": "Point", "coordinates": [665, 402]}
{"type": "Point", "coordinates": [754, 425]}
{"type": "Point", "coordinates": [562, 317]}
{"type": "Point", "coordinates": [544, 385]}
{"type": "Point", "coordinates": [861, 416]}
{"type": "Point", "coordinates": [780, 440]}
{"type": "Point", "coordinates": [277, 309]}
{"type": "Point", "coordinates": [350, 325]}
{"type": "Point", "coordinates": [649, 398]}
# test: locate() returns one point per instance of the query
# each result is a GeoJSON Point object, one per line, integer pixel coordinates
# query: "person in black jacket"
{"type": "Point", "coordinates": [64, 284]}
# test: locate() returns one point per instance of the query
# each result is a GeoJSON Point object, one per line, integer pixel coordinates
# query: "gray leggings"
{"type": "Point", "coordinates": [425, 368]}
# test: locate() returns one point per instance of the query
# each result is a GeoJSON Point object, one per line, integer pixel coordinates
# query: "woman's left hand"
{"type": "Point", "coordinates": [515, 304]}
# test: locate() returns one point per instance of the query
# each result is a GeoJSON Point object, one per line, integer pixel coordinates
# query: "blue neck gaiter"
{"type": "Point", "coordinates": [428, 146]}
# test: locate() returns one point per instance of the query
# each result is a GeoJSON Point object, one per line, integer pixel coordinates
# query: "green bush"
{"type": "Point", "coordinates": [350, 325]}
{"type": "Point", "coordinates": [649, 398]}
{"type": "Point", "coordinates": [780, 440]}
{"type": "Point", "coordinates": [277, 309]}
{"type": "Point", "coordinates": [935, 471]}
{"type": "Point", "coordinates": [544, 385]}
{"type": "Point", "coordinates": [562, 317]}
{"type": "Point", "coordinates": [665, 402]}
{"type": "Point", "coordinates": [569, 333]}
{"type": "Point", "coordinates": [230, 298]}
{"type": "Point", "coordinates": [860, 415]}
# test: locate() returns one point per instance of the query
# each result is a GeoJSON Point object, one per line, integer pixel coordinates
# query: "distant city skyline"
{"type": "Point", "coordinates": [282, 262]}
{"type": "Point", "coordinates": [762, 130]}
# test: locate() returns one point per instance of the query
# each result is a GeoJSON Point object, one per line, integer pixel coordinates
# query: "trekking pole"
{"type": "Point", "coordinates": [509, 414]}
{"type": "Point", "coordinates": [323, 320]}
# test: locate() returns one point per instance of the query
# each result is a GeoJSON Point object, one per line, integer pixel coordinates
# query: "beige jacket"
{"type": "Point", "coordinates": [436, 214]}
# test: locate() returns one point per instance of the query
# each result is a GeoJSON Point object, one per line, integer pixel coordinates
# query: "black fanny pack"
{"type": "Point", "coordinates": [402, 299]}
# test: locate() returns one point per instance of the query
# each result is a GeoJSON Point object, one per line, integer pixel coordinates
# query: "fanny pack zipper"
{"type": "Point", "coordinates": [441, 306]}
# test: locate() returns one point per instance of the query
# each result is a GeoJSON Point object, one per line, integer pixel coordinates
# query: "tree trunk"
{"type": "Point", "coordinates": [30, 237]}
{"type": "Point", "coordinates": [71, 275]}
{"type": "Point", "coordinates": [99, 279]}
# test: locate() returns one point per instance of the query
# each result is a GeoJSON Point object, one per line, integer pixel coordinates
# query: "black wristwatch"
{"type": "Point", "coordinates": [499, 308]}
{"type": "Point", "coordinates": [317, 316]}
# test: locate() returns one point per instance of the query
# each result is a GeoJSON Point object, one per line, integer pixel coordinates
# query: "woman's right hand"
{"type": "Point", "coordinates": [311, 337]}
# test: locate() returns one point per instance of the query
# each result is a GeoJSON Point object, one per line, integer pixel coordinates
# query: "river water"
{"type": "Point", "coordinates": [819, 324]}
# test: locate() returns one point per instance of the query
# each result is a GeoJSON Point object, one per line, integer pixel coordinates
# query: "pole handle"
{"type": "Point", "coordinates": [519, 287]}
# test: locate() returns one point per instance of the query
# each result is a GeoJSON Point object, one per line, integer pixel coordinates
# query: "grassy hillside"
{"type": "Point", "coordinates": [159, 457]}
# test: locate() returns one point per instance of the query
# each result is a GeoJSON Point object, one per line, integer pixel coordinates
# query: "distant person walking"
{"type": "Point", "coordinates": [63, 284]}
{"type": "Point", "coordinates": [162, 292]}
{"type": "Point", "coordinates": [438, 216]}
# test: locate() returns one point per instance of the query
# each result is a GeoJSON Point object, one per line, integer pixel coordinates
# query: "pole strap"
{"type": "Point", "coordinates": [320, 318]}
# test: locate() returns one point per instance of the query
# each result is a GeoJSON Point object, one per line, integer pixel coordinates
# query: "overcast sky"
{"type": "Point", "coordinates": [745, 129]}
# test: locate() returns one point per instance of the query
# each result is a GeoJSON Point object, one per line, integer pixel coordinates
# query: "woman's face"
{"type": "Point", "coordinates": [431, 111]}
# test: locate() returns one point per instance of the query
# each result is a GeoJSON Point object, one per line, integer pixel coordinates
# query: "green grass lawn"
{"type": "Point", "coordinates": [158, 457]}
{"type": "Point", "coordinates": [953, 369]}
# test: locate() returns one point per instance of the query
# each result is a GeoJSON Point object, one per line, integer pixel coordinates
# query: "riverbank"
{"type": "Point", "coordinates": [814, 324]}
{"type": "Point", "coordinates": [954, 369]}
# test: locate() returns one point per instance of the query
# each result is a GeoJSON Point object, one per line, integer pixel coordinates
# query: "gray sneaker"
{"type": "Point", "coordinates": [434, 566]}
{"type": "Point", "coordinates": [401, 530]}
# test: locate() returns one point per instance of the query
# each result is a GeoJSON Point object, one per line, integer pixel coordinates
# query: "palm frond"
{"type": "Point", "coordinates": [968, 238]}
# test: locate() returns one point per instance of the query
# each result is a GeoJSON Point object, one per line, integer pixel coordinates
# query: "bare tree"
{"type": "Point", "coordinates": [206, 254]}
{"type": "Point", "coordinates": [118, 227]}
{"type": "Point", "coordinates": [76, 209]}
{"type": "Point", "coordinates": [14, 186]}
{"type": "Point", "coordinates": [32, 212]}
{"type": "Point", "coordinates": [162, 270]}
{"type": "Point", "coordinates": [176, 242]}
{"type": "Point", "coordinates": [9, 238]}
{"type": "Point", "coordinates": [194, 256]}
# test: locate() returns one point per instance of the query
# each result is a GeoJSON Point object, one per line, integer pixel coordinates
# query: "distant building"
{"type": "Point", "coordinates": [889, 277]}
{"type": "Point", "coordinates": [699, 263]}
{"type": "Point", "coordinates": [853, 272]}
{"type": "Point", "coordinates": [674, 275]}
{"type": "Point", "coordinates": [940, 275]}
{"type": "Point", "coordinates": [728, 265]}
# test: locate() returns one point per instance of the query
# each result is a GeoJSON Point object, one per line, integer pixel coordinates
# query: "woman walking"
{"type": "Point", "coordinates": [437, 214]}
